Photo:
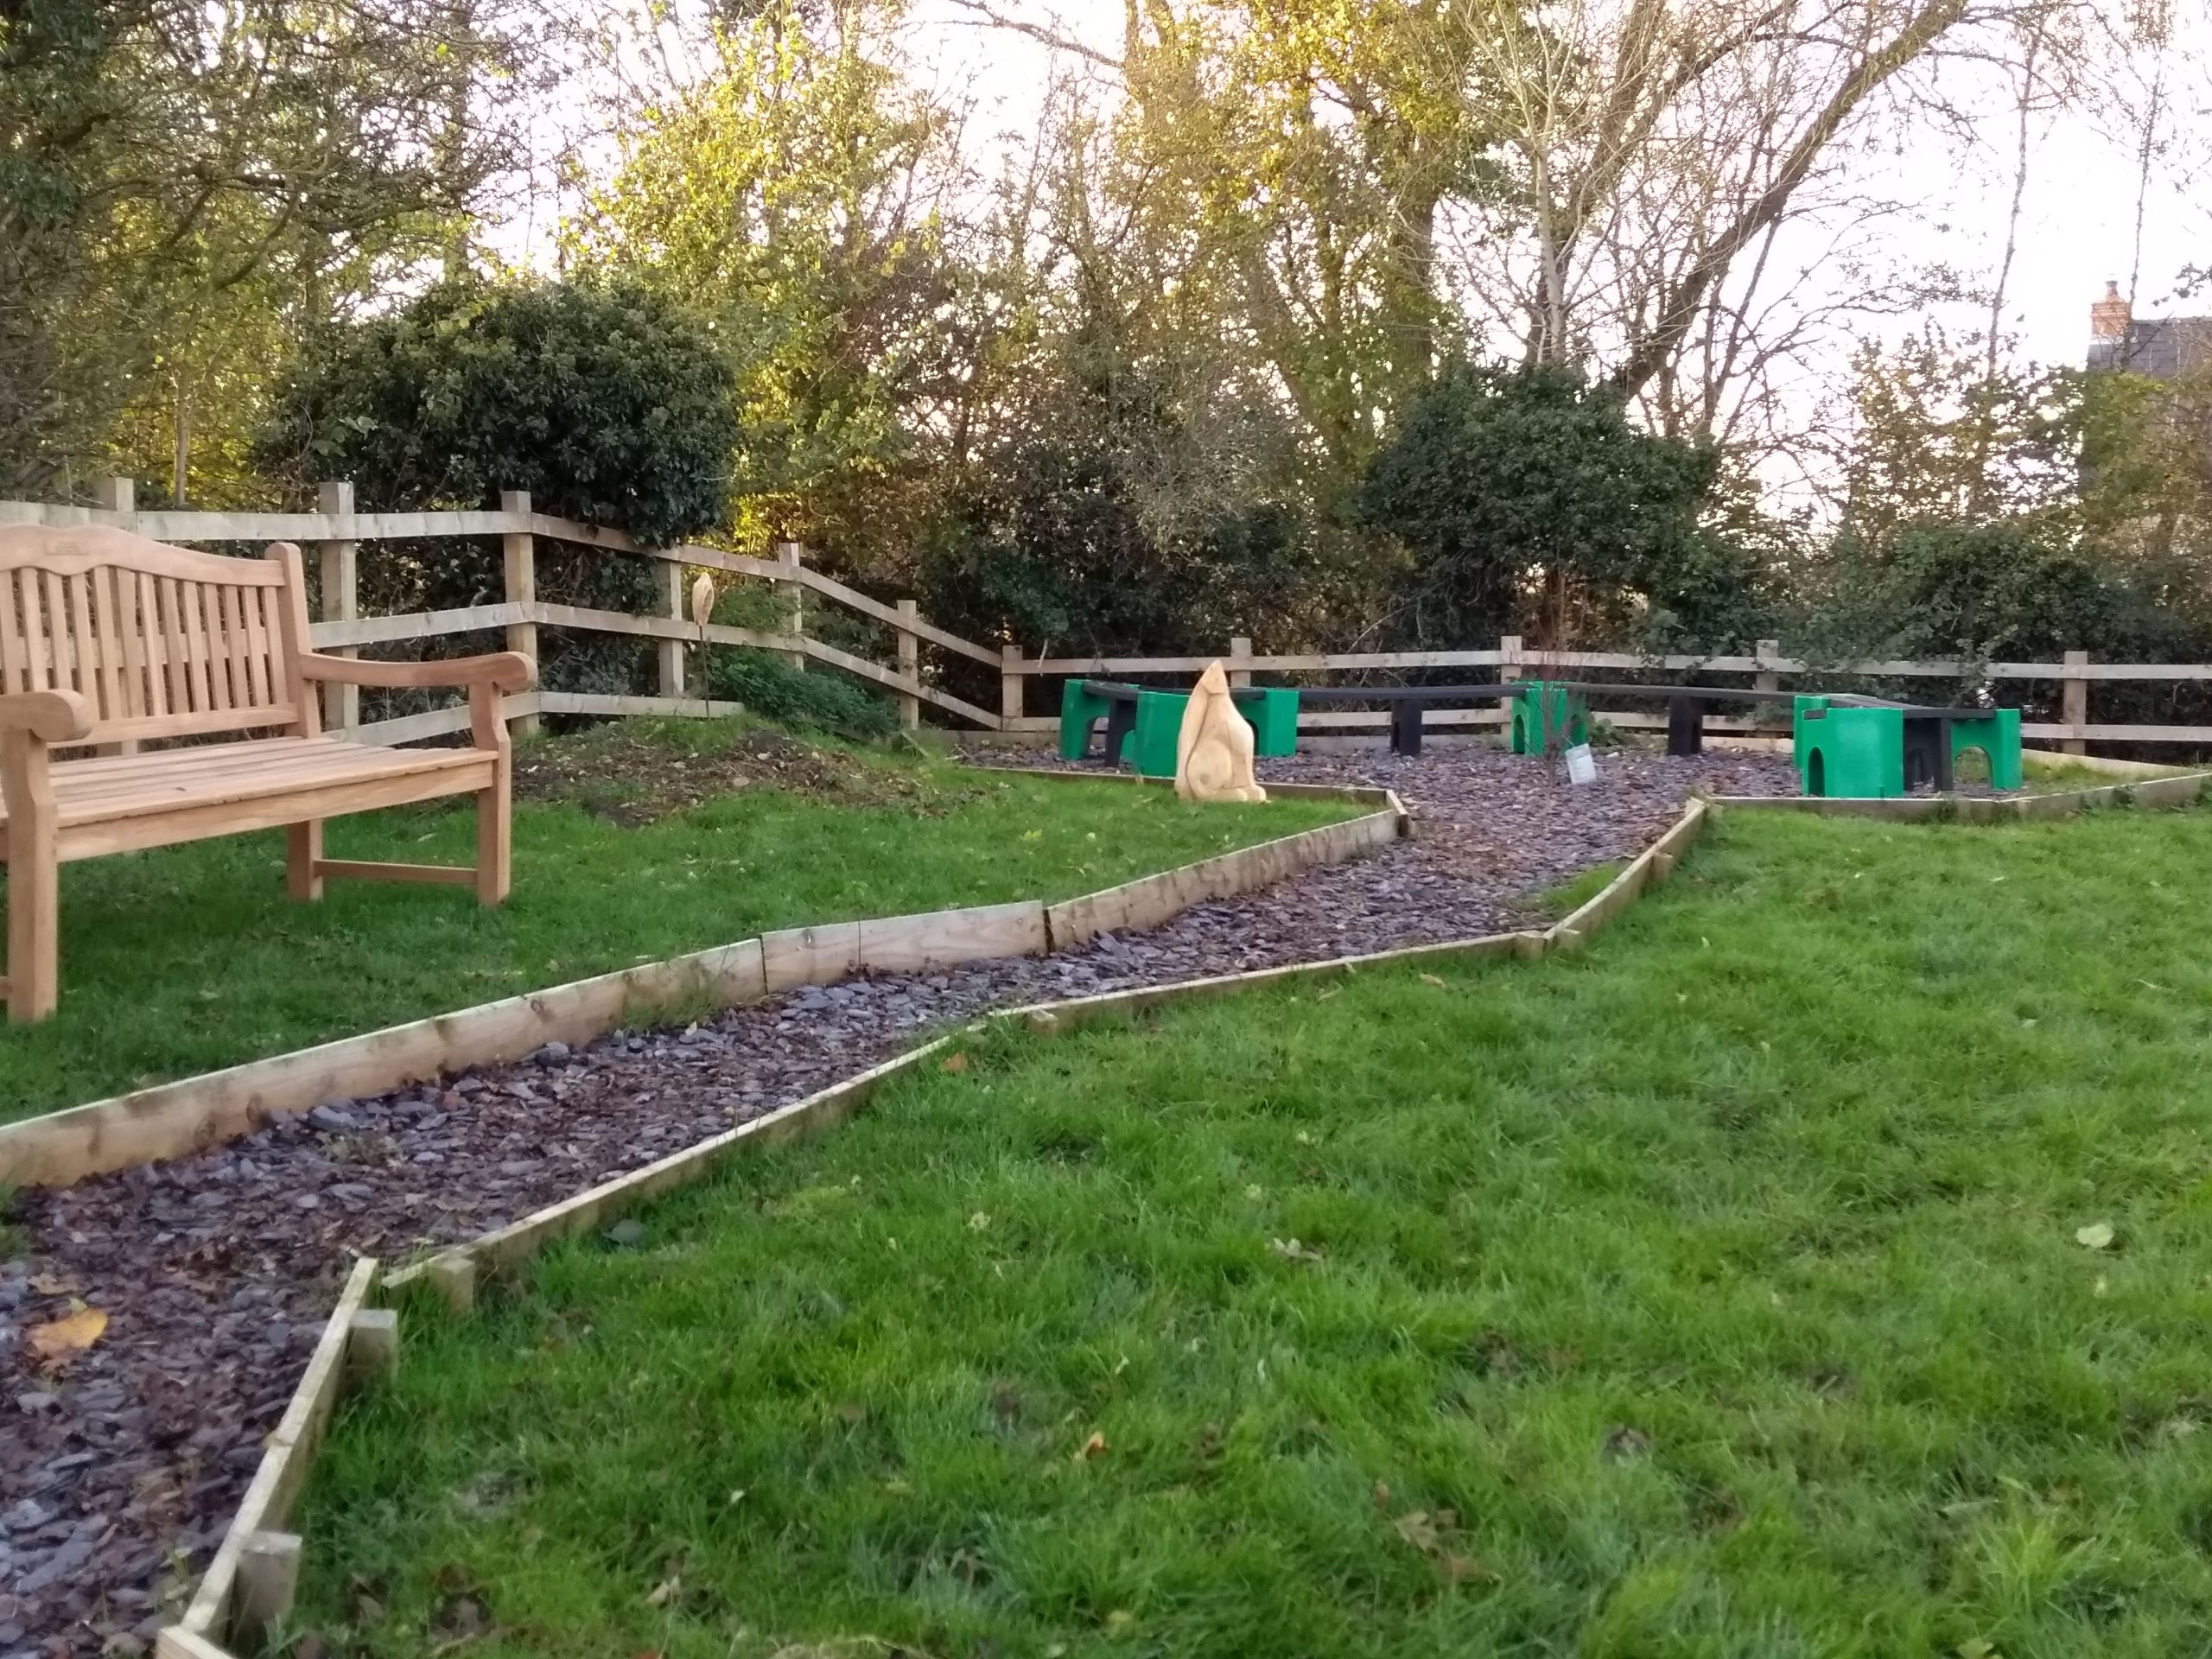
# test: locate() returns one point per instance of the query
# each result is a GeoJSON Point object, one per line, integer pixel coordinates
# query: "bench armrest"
{"type": "Point", "coordinates": [509, 671]}
{"type": "Point", "coordinates": [50, 716]}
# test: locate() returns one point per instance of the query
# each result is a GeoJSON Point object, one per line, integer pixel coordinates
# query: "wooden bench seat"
{"type": "Point", "coordinates": [157, 798]}
{"type": "Point", "coordinates": [108, 640]}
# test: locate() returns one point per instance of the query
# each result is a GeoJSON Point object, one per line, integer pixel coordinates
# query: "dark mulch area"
{"type": "Point", "coordinates": [119, 1471]}
{"type": "Point", "coordinates": [630, 774]}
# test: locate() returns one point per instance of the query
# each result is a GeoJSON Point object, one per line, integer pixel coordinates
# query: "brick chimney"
{"type": "Point", "coordinates": [2109, 317]}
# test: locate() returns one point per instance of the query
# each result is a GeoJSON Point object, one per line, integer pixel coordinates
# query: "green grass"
{"type": "Point", "coordinates": [182, 959]}
{"type": "Point", "coordinates": [1714, 1292]}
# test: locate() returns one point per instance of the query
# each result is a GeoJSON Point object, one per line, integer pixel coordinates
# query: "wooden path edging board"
{"type": "Point", "coordinates": [1151, 900]}
{"type": "Point", "coordinates": [1573, 930]}
{"type": "Point", "coordinates": [508, 1246]}
{"type": "Point", "coordinates": [2178, 789]}
{"type": "Point", "coordinates": [2109, 765]}
{"type": "Point", "coordinates": [174, 1120]}
{"type": "Point", "coordinates": [249, 1583]}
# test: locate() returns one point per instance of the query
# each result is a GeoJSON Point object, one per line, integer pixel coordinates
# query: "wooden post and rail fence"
{"type": "Point", "coordinates": [331, 536]}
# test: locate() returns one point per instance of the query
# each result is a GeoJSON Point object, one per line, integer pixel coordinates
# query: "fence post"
{"type": "Point", "coordinates": [1240, 650]}
{"type": "Point", "coordinates": [1508, 669]}
{"type": "Point", "coordinates": [910, 665]}
{"type": "Point", "coordinates": [117, 495]}
{"type": "Point", "coordinates": [792, 555]}
{"type": "Point", "coordinates": [519, 572]}
{"type": "Point", "coordinates": [1766, 650]}
{"type": "Point", "coordinates": [340, 562]}
{"type": "Point", "coordinates": [1009, 686]}
{"type": "Point", "coordinates": [668, 595]}
{"type": "Point", "coordinates": [2076, 709]}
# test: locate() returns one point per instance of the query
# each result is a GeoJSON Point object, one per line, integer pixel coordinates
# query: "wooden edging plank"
{"type": "Point", "coordinates": [1356, 794]}
{"type": "Point", "coordinates": [1574, 931]}
{"type": "Point", "coordinates": [1083, 1010]}
{"type": "Point", "coordinates": [2108, 764]}
{"type": "Point", "coordinates": [283, 1469]}
{"type": "Point", "coordinates": [517, 1241]}
{"type": "Point", "coordinates": [1151, 900]}
{"type": "Point", "coordinates": [174, 1120]}
{"type": "Point", "coordinates": [2176, 790]}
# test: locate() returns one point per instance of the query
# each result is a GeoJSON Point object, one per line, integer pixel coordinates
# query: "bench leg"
{"type": "Point", "coordinates": [302, 853]}
{"type": "Point", "coordinates": [1405, 729]}
{"type": "Point", "coordinates": [494, 805]}
{"type": "Point", "coordinates": [1685, 726]}
{"type": "Point", "coordinates": [494, 839]}
{"type": "Point", "coordinates": [1120, 720]}
{"type": "Point", "coordinates": [33, 882]}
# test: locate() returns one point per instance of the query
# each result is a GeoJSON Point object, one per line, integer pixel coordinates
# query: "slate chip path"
{"type": "Point", "coordinates": [119, 1471]}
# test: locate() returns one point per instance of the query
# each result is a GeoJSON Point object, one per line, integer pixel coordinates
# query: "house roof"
{"type": "Point", "coordinates": [2163, 348]}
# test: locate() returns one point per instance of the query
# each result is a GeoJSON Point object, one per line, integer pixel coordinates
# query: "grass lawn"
{"type": "Point", "coordinates": [182, 959]}
{"type": "Point", "coordinates": [1720, 1291]}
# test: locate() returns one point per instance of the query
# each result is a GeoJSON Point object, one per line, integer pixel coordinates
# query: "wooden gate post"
{"type": "Point", "coordinates": [910, 665]}
{"type": "Point", "coordinates": [1763, 651]}
{"type": "Point", "coordinates": [1009, 686]}
{"type": "Point", "coordinates": [1240, 650]}
{"type": "Point", "coordinates": [2076, 707]}
{"type": "Point", "coordinates": [668, 598]}
{"type": "Point", "coordinates": [792, 555]}
{"type": "Point", "coordinates": [341, 561]}
{"type": "Point", "coordinates": [115, 495]}
{"type": "Point", "coordinates": [519, 571]}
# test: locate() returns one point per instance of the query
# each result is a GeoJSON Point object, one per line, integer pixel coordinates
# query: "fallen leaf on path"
{"type": "Point", "coordinates": [1417, 1530]}
{"type": "Point", "coordinates": [1431, 979]}
{"type": "Point", "coordinates": [1093, 1447]}
{"type": "Point", "coordinates": [1291, 1251]}
{"type": "Point", "coordinates": [665, 1591]}
{"type": "Point", "coordinates": [59, 1341]}
{"type": "Point", "coordinates": [956, 1064]}
{"type": "Point", "coordinates": [2097, 1236]}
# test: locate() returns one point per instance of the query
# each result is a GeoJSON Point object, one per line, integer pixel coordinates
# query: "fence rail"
{"type": "Point", "coordinates": [335, 531]}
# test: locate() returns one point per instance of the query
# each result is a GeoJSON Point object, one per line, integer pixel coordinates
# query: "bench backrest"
{"type": "Point", "coordinates": [163, 641]}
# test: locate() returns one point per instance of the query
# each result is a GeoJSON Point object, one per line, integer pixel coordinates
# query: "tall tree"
{"type": "Point", "coordinates": [795, 193]}
{"type": "Point", "coordinates": [161, 161]}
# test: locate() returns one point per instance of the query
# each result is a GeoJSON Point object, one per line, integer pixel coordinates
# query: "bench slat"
{"type": "Point", "coordinates": [465, 771]}
{"type": "Point", "coordinates": [96, 775]}
{"type": "Point", "coordinates": [11, 638]}
{"type": "Point", "coordinates": [117, 786]}
{"type": "Point", "coordinates": [203, 626]}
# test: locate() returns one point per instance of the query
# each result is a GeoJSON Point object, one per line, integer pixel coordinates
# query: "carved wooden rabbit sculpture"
{"type": "Point", "coordinates": [1213, 752]}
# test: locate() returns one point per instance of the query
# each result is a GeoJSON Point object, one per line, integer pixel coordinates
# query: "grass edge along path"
{"type": "Point", "coordinates": [184, 960]}
{"type": "Point", "coordinates": [1749, 1294]}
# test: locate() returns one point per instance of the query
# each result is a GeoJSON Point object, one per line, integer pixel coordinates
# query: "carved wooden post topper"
{"type": "Point", "coordinates": [1213, 752]}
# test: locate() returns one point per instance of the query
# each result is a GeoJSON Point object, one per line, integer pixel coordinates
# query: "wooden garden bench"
{"type": "Point", "coordinates": [110, 640]}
